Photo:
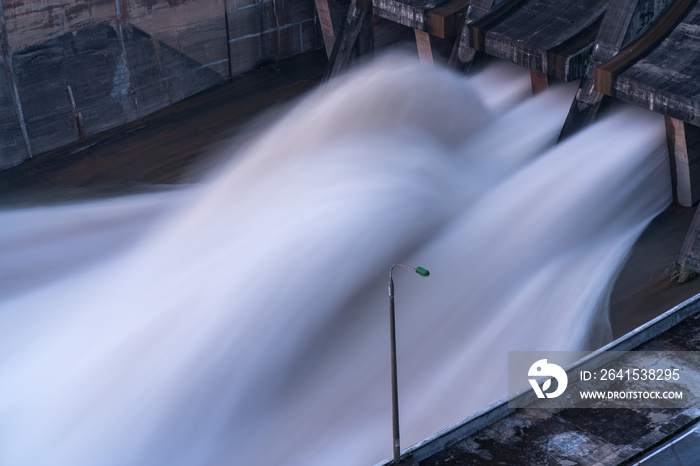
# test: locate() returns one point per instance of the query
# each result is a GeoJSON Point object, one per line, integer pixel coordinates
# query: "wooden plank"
{"type": "Point", "coordinates": [425, 50]}
{"type": "Point", "coordinates": [539, 80]}
{"type": "Point", "coordinates": [673, 138]}
{"type": "Point", "coordinates": [606, 74]}
{"type": "Point", "coordinates": [323, 10]}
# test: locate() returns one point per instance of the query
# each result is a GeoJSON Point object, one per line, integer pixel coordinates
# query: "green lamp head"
{"type": "Point", "coordinates": [422, 271]}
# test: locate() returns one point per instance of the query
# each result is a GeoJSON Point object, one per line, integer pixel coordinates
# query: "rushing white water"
{"type": "Point", "coordinates": [249, 323]}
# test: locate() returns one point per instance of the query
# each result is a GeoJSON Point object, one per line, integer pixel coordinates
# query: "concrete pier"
{"type": "Point", "coordinates": [656, 72]}
{"type": "Point", "coordinates": [177, 144]}
{"type": "Point", "coordinates": [69, 70]}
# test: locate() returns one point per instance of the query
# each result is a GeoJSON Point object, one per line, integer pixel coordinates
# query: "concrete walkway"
{"type": "Point", "coordinates": [681, 451]}
{"type": "Point", "coordinates": [610, 433]}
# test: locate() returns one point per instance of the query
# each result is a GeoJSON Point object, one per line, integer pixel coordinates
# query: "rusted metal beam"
{"type": "Point", "coordinates": [425, 50]}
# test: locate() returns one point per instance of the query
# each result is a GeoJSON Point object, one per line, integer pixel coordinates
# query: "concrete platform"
{"type": "Point", "coordinates": [436, 17]}
{"type": "Point", "coordinates": [607, 434]}
{"type": "Point", "coordinates": [551, 37]}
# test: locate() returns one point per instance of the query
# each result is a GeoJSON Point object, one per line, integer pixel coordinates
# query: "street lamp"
{"type": "Point", "coordinates": [394, 380]}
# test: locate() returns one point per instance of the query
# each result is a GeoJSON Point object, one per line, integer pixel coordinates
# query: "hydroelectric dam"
{"type": "Point", "coordinates": [202, 200]}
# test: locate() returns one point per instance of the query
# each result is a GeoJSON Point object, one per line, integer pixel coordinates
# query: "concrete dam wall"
{"type": "Point", "coordinates": [73, 68]}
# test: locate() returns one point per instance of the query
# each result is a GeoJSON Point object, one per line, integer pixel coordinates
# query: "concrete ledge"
{"type": "Point", "coordinates": [500, 409]}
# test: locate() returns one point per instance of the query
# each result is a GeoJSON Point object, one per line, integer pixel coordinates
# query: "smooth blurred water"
{"type": "Point", "coordinates": [245, 320]}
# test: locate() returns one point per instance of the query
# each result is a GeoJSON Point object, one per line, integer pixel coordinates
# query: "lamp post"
{"type": "Point", "coordinates": [394, 379]}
